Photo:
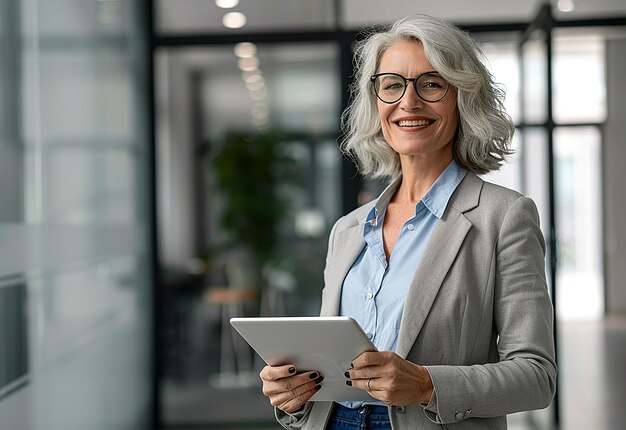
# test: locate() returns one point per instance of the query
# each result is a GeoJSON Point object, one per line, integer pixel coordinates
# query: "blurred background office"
{"type": "Point", "coordinates": [168, 164]}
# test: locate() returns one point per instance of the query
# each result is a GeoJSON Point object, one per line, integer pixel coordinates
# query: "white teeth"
{"type": "Point", "coordinates": [413, 123]}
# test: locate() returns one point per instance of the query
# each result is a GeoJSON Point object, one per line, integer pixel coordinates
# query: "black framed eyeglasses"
{"type": "Point", "coordinates": [390, 87]}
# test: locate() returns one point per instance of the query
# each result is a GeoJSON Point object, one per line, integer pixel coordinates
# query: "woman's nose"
{"type": "Point", "coordinates": [410, 100]}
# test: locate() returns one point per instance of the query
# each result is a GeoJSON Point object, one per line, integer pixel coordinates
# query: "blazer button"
{"type": "Point", "coordinates": [400, 409]}
{"type": "Point", "coordinates": [459, 416]}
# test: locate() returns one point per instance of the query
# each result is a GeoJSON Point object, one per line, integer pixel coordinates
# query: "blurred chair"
{"type": "Point", "coordinates": [236, 357]}
{"type": "Point", "coordinates": [240, 295]}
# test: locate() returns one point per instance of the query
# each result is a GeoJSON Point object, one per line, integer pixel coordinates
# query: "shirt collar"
{"type": "Point", "coordinates": [381, 203]}
{"type": "Point", "coordinates": [436, 198]}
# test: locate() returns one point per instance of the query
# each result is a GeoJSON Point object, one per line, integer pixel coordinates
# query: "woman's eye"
{"type": "Point", "coordinates": [393, 86]}
{"type": "Point", "coordinates": [432, 85]}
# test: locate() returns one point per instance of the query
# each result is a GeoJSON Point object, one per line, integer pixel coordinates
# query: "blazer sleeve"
{"type": "Point", "coordinates": [524, 378]}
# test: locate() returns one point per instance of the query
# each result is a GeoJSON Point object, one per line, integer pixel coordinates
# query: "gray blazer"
{"type": "Point", "coordinates": [477, 314]}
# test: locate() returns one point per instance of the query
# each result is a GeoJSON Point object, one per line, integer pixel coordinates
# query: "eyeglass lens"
{"type": "Point", "coordinates": [390, 87]}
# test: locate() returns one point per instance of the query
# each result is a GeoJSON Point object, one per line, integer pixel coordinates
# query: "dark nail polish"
{"type": "Point", "coordinates": [318, 380]}
{"type": "Point", "coordinates": [349, 383]}
{"type": "Point", "coordinates": [317, 387]}
{"type": "Point", "coordinates": [313, 375]}
{"type": "Point", "coordinates": [347, 375]}
{"type": "Point", "coordinates": [292, 370]}
{"type": "Point", "coordinates": [351, 366]}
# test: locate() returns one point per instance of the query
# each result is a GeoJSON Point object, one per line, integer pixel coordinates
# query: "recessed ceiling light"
{"type": "Point", "coordinates": [234, 20]}
{"type": "Point", "coordinates": [255, 86]}
{"type": "Point", "coordinates": [258, 95]}
{"type": "Point", "coordinates": [565, 5]}
{"type": "Point", "coordinates": [226, 4]}
{"type": "Point", "coordinates": [245, 49]}
{"type": "Point", "coordinates": [254, 76]}
{"type": "Point", "coordinates": [248, 64]}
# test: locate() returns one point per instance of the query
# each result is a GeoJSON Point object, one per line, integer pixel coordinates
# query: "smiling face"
{"type": "Point", "coordinates": [414, 128]}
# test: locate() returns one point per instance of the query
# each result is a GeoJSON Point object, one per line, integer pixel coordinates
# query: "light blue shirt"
{"type": "Point", "coordinates": [374, 290]}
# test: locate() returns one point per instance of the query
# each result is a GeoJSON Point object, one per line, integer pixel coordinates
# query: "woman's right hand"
{"type": "Point", "coordinates": [286, 390]}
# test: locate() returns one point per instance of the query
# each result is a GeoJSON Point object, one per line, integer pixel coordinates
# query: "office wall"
{"type": "Point", "coordinates": [615, 178]}
{"type": "Point", "coordinates": [75, 275]}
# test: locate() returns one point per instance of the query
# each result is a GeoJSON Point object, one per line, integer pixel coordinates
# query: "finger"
{"type": "Point", "coordinates": [290, 383]}
{"type": "Point", "coordinates": [367, 384]}
{"type": "Point", "coordinates": [301, 393]}
{"type": "Point", "coordinates": [371, 358]}
{"type": "Point", "coordinates": [273, 373]}
{"type": "Point", "coordinates": [297, 402]}
{"type": "Point", "coordinates": [363, 373]}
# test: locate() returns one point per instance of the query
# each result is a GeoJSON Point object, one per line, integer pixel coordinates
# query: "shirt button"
{"type": "Point", "coordinates": [370, 336]}
{"type": "Point", "coordinates": [400, 409]}
{"type": "Point", "coordinates": [410, 227]}
{"type": "Point", "coordinates": [370, 296]}
{"type": "Point", "coordinates": [459, 416]}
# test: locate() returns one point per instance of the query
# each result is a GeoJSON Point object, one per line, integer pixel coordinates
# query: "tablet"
{"type": "Point", "coordinates": [325, 344]}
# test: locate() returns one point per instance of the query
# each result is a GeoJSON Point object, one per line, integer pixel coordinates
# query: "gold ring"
{"type": "Point", "coordinates": [368, 384]}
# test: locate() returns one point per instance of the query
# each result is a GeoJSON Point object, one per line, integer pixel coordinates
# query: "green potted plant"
{"type": "Point", "coordinates": [248, 169]}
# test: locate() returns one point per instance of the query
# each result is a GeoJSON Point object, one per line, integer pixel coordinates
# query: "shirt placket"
{"type": "Point", "coordinates": [370, 311]}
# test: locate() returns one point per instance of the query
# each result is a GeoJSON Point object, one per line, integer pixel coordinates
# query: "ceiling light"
{"type": "Point", "coordinates": [226, 4]}
{"type": "Point", "coordinates": [245, 49]}
{"type": "Point", "coordinates": [234, 20]}
{"type": "Point", "coordinates": [248, 64]}
{"type": "Point", "coordinates": [565, 5]}
{"type": "Point", "coordinates": [255, 86]}
{"type": "Point", "coordinates": [251, 77]}
{"type": "Point", "coordinates": [258, 95]}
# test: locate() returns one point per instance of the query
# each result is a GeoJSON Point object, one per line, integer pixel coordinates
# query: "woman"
{"type": "Point", "coordinates": [444, 272]}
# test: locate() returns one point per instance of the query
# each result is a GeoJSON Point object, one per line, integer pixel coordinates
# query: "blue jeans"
{"type": "Point", "coordinates": [369, 417]}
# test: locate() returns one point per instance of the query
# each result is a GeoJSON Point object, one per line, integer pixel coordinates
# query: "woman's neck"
{"type": "Point", "coordinates": [418, 177]}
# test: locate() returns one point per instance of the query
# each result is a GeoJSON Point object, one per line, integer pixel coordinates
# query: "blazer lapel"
{"type": "Point", "coordinates": [351, 243]}
{"type": "Point", "coordinates": [442, 249]}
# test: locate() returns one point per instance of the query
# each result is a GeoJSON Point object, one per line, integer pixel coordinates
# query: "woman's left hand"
{"type": "Point", "coordinates": [389, 378]}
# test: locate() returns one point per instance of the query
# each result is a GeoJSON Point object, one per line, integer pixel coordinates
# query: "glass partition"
{"type": "Point", "coordinates": [75, 269]}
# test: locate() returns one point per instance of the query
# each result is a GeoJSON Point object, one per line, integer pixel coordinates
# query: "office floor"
{"type": "Point", "coordinates": [592, 388]}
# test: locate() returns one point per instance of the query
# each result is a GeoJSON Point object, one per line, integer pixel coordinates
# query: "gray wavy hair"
{"type": "Point", "coordinates": [485, 130]}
